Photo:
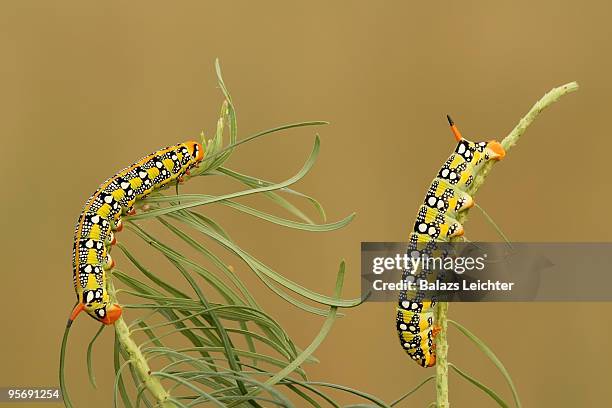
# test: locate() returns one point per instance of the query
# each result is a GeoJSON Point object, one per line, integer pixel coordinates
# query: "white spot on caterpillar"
{"type": "Point", "coordinates": [108, 199]}
{"type": "Point", "coordinates": [444, 172]}
{"type": "Point", "coordinates": [461, 148]}
{"type": "Point", "coordinates": [95, 219]}
{"type": "Point", "coordinates": [125, 185]}
{"type": "Point", "coordinates": [403, 326]}
{"type": "Point", "coordinates": [422, 227]}
{"type": "Point", "coordinates": [89, 243]}
{"type": "Point", "coordinates": [143, 174]}
{"type": "Point", "coordinates": [90, 297]}
{"type": "Point", "coordinates": [431, 200]}
{"type": "Point", "coordinates": [405, 304]}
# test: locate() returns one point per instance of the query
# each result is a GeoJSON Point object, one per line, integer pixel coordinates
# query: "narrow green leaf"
{"type": "Point", "coordinates": [304, 396]}
{"type": "Point", "coordinates": [360, 406]}
{"type": "Point", "coordinates": [480, 385]}
{"type": "Point", "coordinates": [325, 329]}
{"type": "Point", "coordinates": [489, 353]}
{"type": "Point", "coordinates": [162, 351]}
{"type": "Point", "coordinates": [280, 400]}
{"type": "Point", "coordinates": [317, 340]}
{"type": "Point", "coordinates": [298, 176]}
{"type": "Point", "coordinates": [119, 385]}
{"type": "Point", "coordinates": [90, 372]}
{"type": "Point", "coordinates": [190, 386]}
{"type": "Point", "coordinates": [228, 346]}
{"type": "Point", "coordinates": [314, 390]}
{"type": "Point", "coordinates": [378, 402]}
{"type": "Point", "coordinates": [412, 391]}
{"type": "Point", "coordinates": [62, 368]}
{"type": "Point", "coordinates": [256, 213]}
{"type": "Point", "coordinates": [258, 266]}
{"type": "Point", "coordinates": [256, 182]}
{"type": "Point", "coordinates": [225, 291]}
{"type": "Point", "coordinates": [494, 224]}
{"type": "Point", "coordinates": [223, 152]}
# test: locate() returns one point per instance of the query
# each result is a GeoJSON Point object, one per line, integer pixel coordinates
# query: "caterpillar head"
{"type": "Point", "coordinates": [196, 151]}
{"type": "Point", "coordinates": [94, 304]}
{"type": "Point", "coordinates": [479, 152]}
{"type": "Point", "coordinates": [107, 313]}
{"type": "Point", "coordinates": [475, 151]}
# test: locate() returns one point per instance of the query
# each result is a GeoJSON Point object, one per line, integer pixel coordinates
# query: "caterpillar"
{"type": "Point", "coordinates": [101, 217]}
{"type": "Point", "coordinates": [436, 222]}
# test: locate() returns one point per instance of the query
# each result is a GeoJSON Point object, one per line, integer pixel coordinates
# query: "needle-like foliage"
{"type": "Point", "coordinates": [207, 342]}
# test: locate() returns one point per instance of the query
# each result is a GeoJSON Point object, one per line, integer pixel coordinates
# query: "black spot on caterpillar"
{"type": "Point", "coordinates": [436, 222]}
{"type": "Point", "coordinates": [101, 215]}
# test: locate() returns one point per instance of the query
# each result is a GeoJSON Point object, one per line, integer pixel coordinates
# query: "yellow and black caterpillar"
{"type": "Point", "coordinates": [436, 222]}
{"type": "Point", "coordinates": [102, 214]}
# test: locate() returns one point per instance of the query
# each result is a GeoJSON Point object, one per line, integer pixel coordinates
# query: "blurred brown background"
{"type": "Point", "coordinates": [86, 88]}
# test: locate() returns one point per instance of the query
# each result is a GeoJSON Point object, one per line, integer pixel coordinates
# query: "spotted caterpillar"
{"type": "Point", "coordinates": [102, 214]}
{"type": "Point", "coordinates": [436, 222]}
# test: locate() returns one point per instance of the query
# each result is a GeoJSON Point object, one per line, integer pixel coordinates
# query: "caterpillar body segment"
{"type": "Point", "coordinates": [437, 225]}
{"type": "Point", "coordinates": [436, 222]}
{"type": "Point", "coordinates": [101, 218]}
{"type": "Point", "coordinates": [444, 197]}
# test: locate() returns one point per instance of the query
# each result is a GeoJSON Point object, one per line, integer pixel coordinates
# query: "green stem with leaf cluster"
{"type": "Point", "coordinates": [206, 325]}
{"type": "Point", "coordinates": [139, 362]}
{"type": "Point", "coordinates": [442, 308]}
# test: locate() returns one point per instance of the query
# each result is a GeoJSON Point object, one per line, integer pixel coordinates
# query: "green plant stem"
{"type": "Point", "coordinates": [442, 308]}
{"type": "Point", "coordinates": [442, 356]}
{"type": "Point", "coordinates": [138, 361]}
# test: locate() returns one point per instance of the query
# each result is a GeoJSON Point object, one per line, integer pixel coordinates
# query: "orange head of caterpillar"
{"type": "Point", "coordinates": [104, 313]}
{"type": "Point", "coordinates": [470, 150]}
{"type": "Point", "coordinates": [497, 151]}
{"type": "Point", "coordinates": [113, 312]}
{"type": "Point", "coordinates": [196, 151]}
{"type": "Point", "coordinates": [95, 305]}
